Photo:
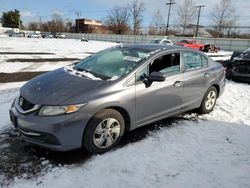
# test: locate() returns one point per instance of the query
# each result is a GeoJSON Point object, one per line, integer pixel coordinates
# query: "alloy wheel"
{"type": "Point", "coordinates": [210, 100]}
{"type": "Point", "coordinates": [106, 133]}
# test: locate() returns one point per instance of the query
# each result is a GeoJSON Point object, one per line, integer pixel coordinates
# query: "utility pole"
{"type": "Point", "coordinates": [78, 13]}
{"type": "Point", "coordinates": [199, 13]}
{"type": "Point", "coordinates": [40, 22]}
{"type": "Point", "coordinates": [171, 2]}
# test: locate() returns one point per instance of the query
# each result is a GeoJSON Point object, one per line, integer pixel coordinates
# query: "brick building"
{"type": "Point", "coordinates": [88, 26]}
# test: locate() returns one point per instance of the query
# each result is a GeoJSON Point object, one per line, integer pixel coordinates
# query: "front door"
{"type": "Point", "coordinates": [160, 99]}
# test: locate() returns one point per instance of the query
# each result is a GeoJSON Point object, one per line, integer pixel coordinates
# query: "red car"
{"type": "Point", "coordinates": [194, 45]}
{"type": "Point", "coordinates": [191, 44]}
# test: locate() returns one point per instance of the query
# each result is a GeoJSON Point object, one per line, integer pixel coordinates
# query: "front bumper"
{"type": "Point", "coordinates": [59, 133]}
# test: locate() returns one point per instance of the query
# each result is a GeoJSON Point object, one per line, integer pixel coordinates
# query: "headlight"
{"type": "Point", "coordinates": [59, 110]}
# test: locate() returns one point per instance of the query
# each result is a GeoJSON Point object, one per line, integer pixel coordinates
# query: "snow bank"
{"type": "Point", "coordinates": [209, 151]}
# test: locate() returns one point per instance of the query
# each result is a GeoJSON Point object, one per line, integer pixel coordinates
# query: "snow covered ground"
{"type": "Point", "coordinates": [187, 151]}
{"type": "Point", "coordinates": [56, 48]}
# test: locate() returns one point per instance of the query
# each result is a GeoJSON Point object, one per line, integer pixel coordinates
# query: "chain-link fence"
{"type": "Point", "coordinates": [223, 43]}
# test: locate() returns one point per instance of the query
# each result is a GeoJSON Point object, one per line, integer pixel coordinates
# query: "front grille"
{"type": "Point", "coordinates": [25, 105]}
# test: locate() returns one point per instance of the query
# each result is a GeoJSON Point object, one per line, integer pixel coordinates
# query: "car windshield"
{"type": "Point", "coordinates": [156, 41]}
{"type": "Point", "coordinates": [112, 63]}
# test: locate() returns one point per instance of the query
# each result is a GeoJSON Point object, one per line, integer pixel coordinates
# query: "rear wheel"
{"type": "Point", "coordinates": [104, 131]}
{"type": "Point", "coordinates": [209, 100]}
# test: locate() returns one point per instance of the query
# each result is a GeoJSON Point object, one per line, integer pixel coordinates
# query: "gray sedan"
{"type": "Point", "coordinates": [93, 102]}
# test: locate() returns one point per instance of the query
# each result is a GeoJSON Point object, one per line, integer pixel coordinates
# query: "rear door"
{"type": "Point", "coordinates": [195, 78]}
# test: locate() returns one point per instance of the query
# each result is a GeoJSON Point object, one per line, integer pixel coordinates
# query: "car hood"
{"type": "Point", "coordinates": [55, 87]}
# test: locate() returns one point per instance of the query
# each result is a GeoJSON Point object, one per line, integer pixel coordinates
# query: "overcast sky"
{"type": "Point", "coordinates": [97, 9]}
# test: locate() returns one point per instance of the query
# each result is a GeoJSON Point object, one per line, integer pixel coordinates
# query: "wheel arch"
{"type": "Point", "coordinates": [122, 111]}
{"type": "Point", "coordinates": [124, 114]}
{"type": "Point", "coordinates": [217, 87]}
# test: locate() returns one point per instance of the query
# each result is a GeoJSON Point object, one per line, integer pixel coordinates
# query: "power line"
{"type": "Point", "coordinates": [171, 2]}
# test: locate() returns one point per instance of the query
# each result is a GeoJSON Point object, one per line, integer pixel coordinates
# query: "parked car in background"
{"type": "Point", "coordinates": [60, 36]}
{"type": "Point", "coordinates": [210, 48]}
{"type": "Point", "coordinates": [14, 34]}
{"type": "Point", "coordinates": [84, 39]}
{"type": "Point", "coordinates": [162, 41]}
{"type": "Point", "coordinates": [198, 46]}
{"type": "Point", "coordinates": [190, 44]}
{"type": "Point", "coordinates": [239, 64]}
{"type": "Point", "coordinates": [93, 102]}
{"type": "Point", "coordinates": [47, 35]}
{"type": "Point", "coordinates": [34, 35]}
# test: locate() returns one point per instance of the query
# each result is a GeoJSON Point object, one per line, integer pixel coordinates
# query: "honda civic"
{"type": "Point", "coordinates": [93, 102]}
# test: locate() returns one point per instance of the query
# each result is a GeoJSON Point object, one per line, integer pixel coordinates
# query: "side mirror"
{"type": "Point", "coordinates": [156, 77]}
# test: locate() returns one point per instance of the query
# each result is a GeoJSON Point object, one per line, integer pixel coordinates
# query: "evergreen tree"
{"type": "Point", "coordinates": [11, 19]}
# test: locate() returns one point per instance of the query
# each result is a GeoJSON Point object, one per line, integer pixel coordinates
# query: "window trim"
{"type": "Point", "coordinates": [157, 56]}
{"type": "Point", "coordinates": [168, 53]}
{"type": "Point", "coordinates": [152, 58]}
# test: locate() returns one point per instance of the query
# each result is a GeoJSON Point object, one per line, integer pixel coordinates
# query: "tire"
{"type": "Point", "coordinates": [209, 100]}
{"type": "Point", "coordinates": [104, 131]}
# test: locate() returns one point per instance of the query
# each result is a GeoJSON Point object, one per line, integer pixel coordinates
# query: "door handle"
{"type": "Point", "coordinates": [206, 75]}
{"type": "Point", "coordinates": [178, 84]}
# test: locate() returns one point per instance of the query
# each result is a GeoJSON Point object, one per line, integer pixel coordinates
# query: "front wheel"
{"type": "Point", "coordinates": [104, 131]}
{"type": "Point", "coordinates": [209, 100]}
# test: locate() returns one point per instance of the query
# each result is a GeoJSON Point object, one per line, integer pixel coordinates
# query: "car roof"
{"type": "Point", "coordinates": [152, 47]}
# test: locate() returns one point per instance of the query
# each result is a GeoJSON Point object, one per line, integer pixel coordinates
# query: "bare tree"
{"type": "Point", "coordinates": [152, 30]}
{"type": "Point", "coordinates": [157, 22]}
{"type": "Point", "coordinates": [186, 14]}
{"type": "Point", "coordinates": [68, 25]}
{"type": "Point", "coordinates": [117, 20]}
{"type": "Point", "coordinates": [224, 17]}
{"type": "Point", "coordinates": [136, 9]}
{"type": "Point", "coordinates": [57, 22]}
{"type": "Point", "coordinates": [34, 26]}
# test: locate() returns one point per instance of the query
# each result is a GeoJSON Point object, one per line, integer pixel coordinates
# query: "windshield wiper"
{"type": "Point", "coordinates": [103, 77]}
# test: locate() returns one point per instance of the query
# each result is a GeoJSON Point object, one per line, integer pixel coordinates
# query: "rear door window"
{"type": "Point", "coordinates": [193, 60]}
